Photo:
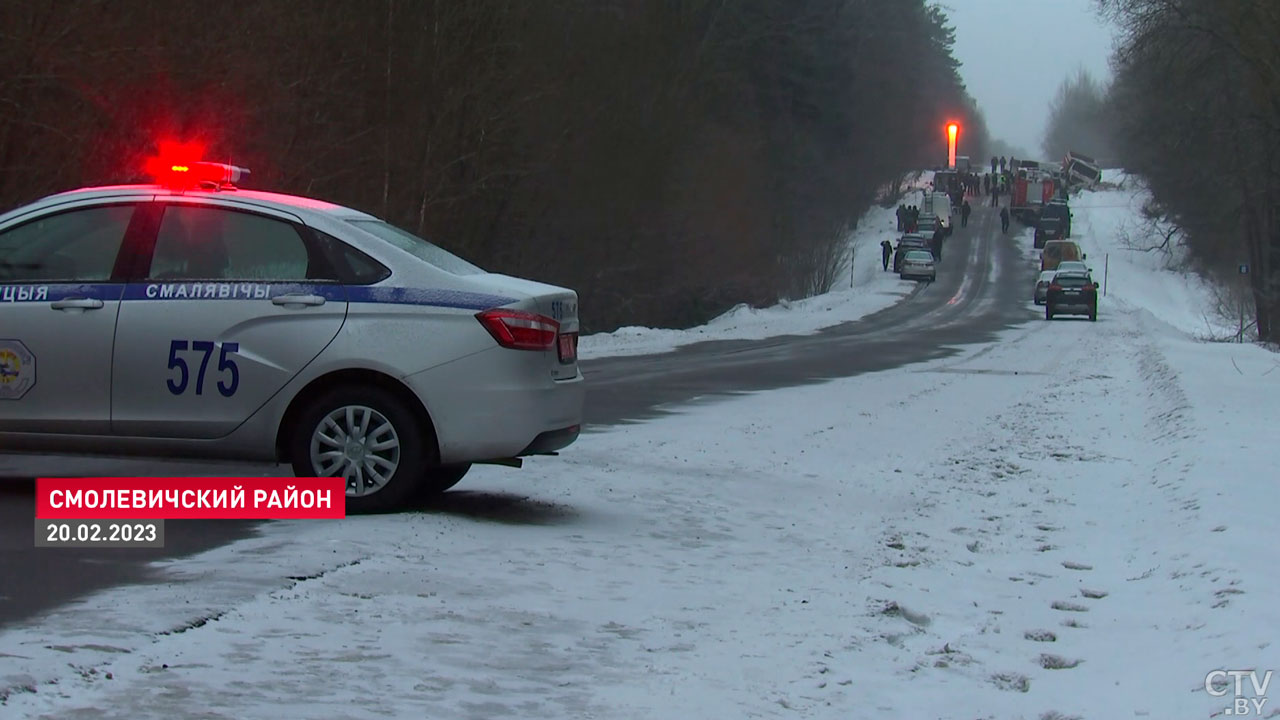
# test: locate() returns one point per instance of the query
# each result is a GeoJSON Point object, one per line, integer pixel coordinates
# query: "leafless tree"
{"type": "Point", "coordinates": [668, 159]}
{"type": "Point", "coordinates": [1196, 103]}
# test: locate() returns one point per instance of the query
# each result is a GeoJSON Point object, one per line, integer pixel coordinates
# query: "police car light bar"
{"type": "Point", "coordinates": [208, 172]}
{"type": "Point", "coordinates": [179, 166]}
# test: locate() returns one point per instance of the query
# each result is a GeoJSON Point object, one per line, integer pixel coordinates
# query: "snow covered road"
{"type": "Point", "coordinates": [995, 517]}
{"type": "Point", "coordinates": [1071, 520]}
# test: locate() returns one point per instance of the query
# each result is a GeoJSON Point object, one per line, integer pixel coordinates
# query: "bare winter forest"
{"type": "Point", "coordinates": [666, 158]}
{"type": "Point", "coordinates": [1194, 108]}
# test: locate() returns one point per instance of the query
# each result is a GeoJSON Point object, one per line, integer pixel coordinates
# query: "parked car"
{"type": "Point", "coordinates": [918, 264]}
{"type": "Point", "coordinates": [1042, 286]}
{"type": "Point", "coordinates": [1047, 228]}
{"type": "Point", "coordinates": [1054, 222]}
{"type": "Point", "coordinates": [1071, 294]}
{"type": "Point", "coordinates": [1075, 266]}
{"type": "Point", "coordinates": [1056, 251]}
{"type": "Point", "coordinates": [908, 242]}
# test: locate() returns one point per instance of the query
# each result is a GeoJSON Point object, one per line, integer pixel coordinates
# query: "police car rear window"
{"type": "Point", "coordinates": [422, 249]}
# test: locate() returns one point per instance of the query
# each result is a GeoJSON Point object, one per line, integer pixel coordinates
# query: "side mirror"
{"type": "Point", "coordinates": [1084, 256]}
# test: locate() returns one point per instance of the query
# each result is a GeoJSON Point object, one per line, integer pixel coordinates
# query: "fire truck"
{"type": "Point", "coordinates": [1033, 187]}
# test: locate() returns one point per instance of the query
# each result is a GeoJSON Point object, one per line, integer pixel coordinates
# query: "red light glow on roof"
{"type": "Point", "coordinates": [181, 165]}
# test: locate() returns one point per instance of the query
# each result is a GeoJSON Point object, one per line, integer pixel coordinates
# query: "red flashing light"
{"type": "Point", "coordinates": [520, 330]}
{"type": "Point", "coordinates": [181, 166]}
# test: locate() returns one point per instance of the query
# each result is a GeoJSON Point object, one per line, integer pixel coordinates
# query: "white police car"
{"type": "Point", "coordinates": [193, 319]}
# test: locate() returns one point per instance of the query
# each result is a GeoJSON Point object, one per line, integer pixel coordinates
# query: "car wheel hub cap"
{"type": "Point", "coordinates": [358, 444]}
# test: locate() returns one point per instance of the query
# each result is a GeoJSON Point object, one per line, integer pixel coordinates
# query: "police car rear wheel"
{"type": "Point", "coordinates": [366, 436]}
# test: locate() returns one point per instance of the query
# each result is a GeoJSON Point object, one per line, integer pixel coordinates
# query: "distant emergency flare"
{"type": "Point", "coordinates": [953, 131]}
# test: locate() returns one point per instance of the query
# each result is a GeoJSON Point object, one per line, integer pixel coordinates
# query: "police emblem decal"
{"type": "Point", "coordinates": [17, 369]}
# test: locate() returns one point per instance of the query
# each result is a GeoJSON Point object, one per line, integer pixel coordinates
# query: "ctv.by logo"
{"type": "Point", "coordinates": [1216, 684]}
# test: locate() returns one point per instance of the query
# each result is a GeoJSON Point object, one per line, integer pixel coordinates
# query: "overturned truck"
{"type": "Point", "coordinates": [1080, 170]}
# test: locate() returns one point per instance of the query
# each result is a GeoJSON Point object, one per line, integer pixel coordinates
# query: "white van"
{"type": "Point", "coordinates": [938, 203]}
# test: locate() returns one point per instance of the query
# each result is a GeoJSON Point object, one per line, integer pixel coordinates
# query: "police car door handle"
{"type": "Point", "coordinates": [76, 304]}
{"type": "Point", "coordinates": [286, 300]}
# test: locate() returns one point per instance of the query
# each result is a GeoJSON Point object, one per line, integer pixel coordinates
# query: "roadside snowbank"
{"type": "Point", "coordinates": [1071, 520]}
{"type": "Point", "coordinates": [872, 290]}
{"type": "Point", "coordinates": [1137, 278]}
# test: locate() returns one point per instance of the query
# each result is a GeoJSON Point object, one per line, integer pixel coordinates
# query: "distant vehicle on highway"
{"type": "Point", "coordinates": [191, 318]}
{"type": "Point", "coordinates": [918, 265]}
{"type": "Point", "coordinates": [1071, 294]}
{"type": "Point", "coordinates": [1042, 286]}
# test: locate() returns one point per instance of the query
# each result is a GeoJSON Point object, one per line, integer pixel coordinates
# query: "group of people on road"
{"type": "Point", "coordinates": [996, 184]}
{"type": "Point", "coordinates": [908, 218]}
{"type": "Point", "coordinates": [969, 183]}
{"type": "Point", "coordinates": [993, 184]}
{"type": "Point", "coordinates": [1000, 180]}
{"type": "Point", "coordinates": [959, 186]}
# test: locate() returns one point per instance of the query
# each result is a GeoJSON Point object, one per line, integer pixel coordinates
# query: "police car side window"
{"type": "Point", "coordinates": [352, 266]}
{"type": "Point", "coordinates": [208, 243]}
{"type": "Point", "coordinates": [78, 245]}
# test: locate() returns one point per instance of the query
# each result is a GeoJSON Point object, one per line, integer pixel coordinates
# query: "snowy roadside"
{"type": "Point", "coordinates": [1070, 520]}
{"type": "Point", "coordinates": [1136, 278]}
{"type": "Point", "coordinates": [868, 289]}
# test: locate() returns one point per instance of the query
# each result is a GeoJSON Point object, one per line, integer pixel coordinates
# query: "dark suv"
{"type": "Point", "coordinates": [1071, 293]}
{"type": "Point", "coordinates": [1054, 223]}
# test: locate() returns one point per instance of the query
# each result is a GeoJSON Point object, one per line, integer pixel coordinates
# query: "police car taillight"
{"type": "Point", "coordinates": [182, 166]}
{"type": "Point", "coordinates": [520, 330]}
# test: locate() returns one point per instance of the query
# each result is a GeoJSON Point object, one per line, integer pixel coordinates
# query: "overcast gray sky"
{"type": "Point", "coordinates": [1015, 53]}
